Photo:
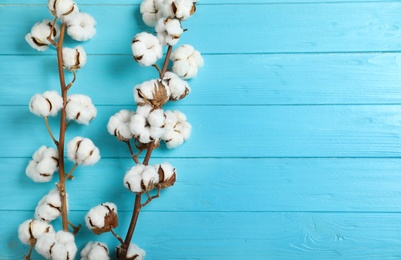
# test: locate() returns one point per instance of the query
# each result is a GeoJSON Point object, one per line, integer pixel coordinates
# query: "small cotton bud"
{"type": "Point", "coordinates": [152, 92]}
{"type": "Point", "coordinates": [31, 229]}
{"type": "Point", "coordinates": [186, 61]}
{"type": "Point", "coordinates": [37, 38]}
{"type": "Point", "coordinates": [102, 218]}
{"type": "Point", "coordinates": [133, 252]}
{"type": "Point", "coordinates": [43, 165]}
{"type": "Point", "coordinates": [178, 88]}
{"type": "Point", "coordinates": [176, 129]}
{"type": "Point", "coordinates": [81, 26]}
{"type": "Point", "coordinates": [63, 9]}
{"type": "Point", "coordinates": [82, 151]}
{"type": "Point", "coordinates": [59, 246]}
{"type": "Point", "coordinates": [95, 251]}
{"type": "Point", "coordinates": [80, 109]}
{"type": "Point", "coordinates": [169, 31]}
{"type": "Point", "coordinates": [74, 58]}
{"type": "Point", "coordinates": [179, 9]}
{"type": "Point", "coordinates": [46, 104]}
{"type": "Point", "coordinates": [146, 49]}
{"type": "Point", "coordinates": [118, 125]}
{"type": "Point", "coordinates": [151, 11]}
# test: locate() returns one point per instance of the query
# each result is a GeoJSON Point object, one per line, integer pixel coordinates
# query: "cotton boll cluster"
{"type": "Point", "coordinates": [102, 218]}
{"type": "Point", "coordinates": [80, 109]}
{"type": "Point", "coordinates": [74, 58]}
{"type": "Point", "coordinates": [43, 164]}
{"type": "Point", "coordinates": [63, 9]}
{"type": "Point", "coordinates": [59, 246]}
{"type": "Point", "coordinates": [32, 229]}
{"type": "Point", "coordinates": [46, 104]}
{"type": "Point", "coordinates": [82, 151]}
{"type": "Point", "coordinates": [186, 61]}
{"type": "Point", "coordinates": [118, 125]}
{"type": "Point", "coordinates": [37, 38]}
{"type": "Point", "coordinates": [151, 11]}
{"type": "Point", "coordinates": [178, 88]}
{"type": "Point", "coordinates": [49, 207]}
{"type": "Point", "coordinates": [95, 251]}
{"type": "Point", "coordinates": [133, 252]}
{"type": "Point", "coordinates": [153, 92]}
{"type": "Point", "coordinates": [177, 129]}
{"type": "Point", "coordinates": [146, 49]}
{"type": "Point", "coordinates": [142, 178]}
{"type": "Point", "coordinates": [169, 31]}
{"type": "Point", "coordinates": [147, 124]}
{"type": "Point", "coordinates": [81, 26]}
{"type": "Point", "coordinates": [179, 9]}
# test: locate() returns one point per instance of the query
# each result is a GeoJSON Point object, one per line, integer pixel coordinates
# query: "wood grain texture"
{"type": "Point", "coordinates": [304, 28]}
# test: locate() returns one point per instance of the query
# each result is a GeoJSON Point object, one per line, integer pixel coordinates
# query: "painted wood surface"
{"type": "Point", "coordinates": [296, 130]}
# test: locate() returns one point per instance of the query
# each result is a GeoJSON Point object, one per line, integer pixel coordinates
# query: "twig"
{"type": "Point", "coordinates": [75, 228]}
{"type": "Point", "coordinates": [133, 156]}
{"type": "Point", "coordinates": [73, 80]}
{"type": "Point", "coordinates": [69, 175]}
{"type": "Point", "coordinates": [50, 131]}
{"type": "Point", "coordinates": [150, 198]}
{"type": "Point", "coordinates": [117, 236]}
{"type": "Point", "coordinates": [49, 37]}
{"type": "Point", "coordinates": [157, 68]}
{"type": "Point", "coordinates": [165, 65]}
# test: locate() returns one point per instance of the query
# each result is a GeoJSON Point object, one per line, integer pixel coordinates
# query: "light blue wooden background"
{"type": "Point", "coordinates": [296, 144]}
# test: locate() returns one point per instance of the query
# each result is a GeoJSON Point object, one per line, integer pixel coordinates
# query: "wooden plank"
{"type": "Point", "coordinates": [372, 78]}
{"type": "Point", "coordinates": [237, 131]}
{"type": "Point", "coordinates": [221, 235]}
{"type": "Point", "coordinates": [229, 185]}
{"type": "Point", "coordinates": [330, 27]}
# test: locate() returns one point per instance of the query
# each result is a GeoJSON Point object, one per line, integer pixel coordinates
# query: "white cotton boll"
{"type": "Point", "coordinates": [145, 136]}
{"type": "Point", "coordinates": [64, 237]}
{"type": "Point", "coordinates": [95, 217]}
{"type": "Point", "coordinates": [80, 109]}
{"type": "Point", "coordinates": [169, 31]}
{"type": "Point", "coordinates": [37, 38]}
{"type": "Point", "coordinates": [137, 124]}
{"type": "Point", "coordinates": [133, 178]}
{"type": "Point", "coordinates": [180, 9]}
{"type": "Point", "coordinates": [44, 245]}
{"type": "Point", "coordinates": [150, 177]}
{"type": "Point", "coordinates": [186, 61]}
{"type": "Point", "coordinates": [102, 218]}
{"type": "Point", "coordinates": [95, 251]}
{"type": "Point", "coordinates": [82, 151]}
{"type": "Point", "coordinates": [36, 228]}
{"type": "Point", "coordinates": [151, 11]}
{"type": "Point", "coordinates": [146, 49]}
{"type": "Point", "coordinates": [153, 93]}
{"type": "Point", "coordinates": [168, 170]}
{"type": "Point", "coordinates": [74, 58]}
{"type": "Point", "coordinates": [47, 166]}
{"type": "Point", "coordinates": [144, 111]}
{"type": "Point", "coordinates": [185, 130]}
{"type": "Point", "coordinates": [47, 213]}
{"type": "Point", "coordinates": [173, 140]}
{"type": "Point", "coordinates": [156, 118]}
{"type": "Point", "coordinates": [135, 251]}
{"type": "Point", "coordinates": [65, 9]}
{"type": "Point", "coordinates": [46, 104]}
{"type": "Point", "coordinates": [81, 26]}
{"type": "Point", "coordinates": [35, 44]}
{"type": "Point", "coordinates": [178, 88]}
{"type": "Point", "coordinates": [119, 125]}
{"type": "Point", "coordinates": [144, 90]}
{"type": "Point", "coordinates": [156, 132]}
{"type": "Point", "coordinates": [43, 164]}
{"type": "Point", "coordinates": [177, 129]}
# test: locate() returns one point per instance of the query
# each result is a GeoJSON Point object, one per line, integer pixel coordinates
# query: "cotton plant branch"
{"type": "Point", "coordinates": [150, 125]}
{"type": "Point", "coordinates": [38, 232]}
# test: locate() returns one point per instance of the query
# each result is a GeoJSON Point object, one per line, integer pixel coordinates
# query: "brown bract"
{"type": "Point", "coordinates": [160, 96]}
{"type": "Point", "coordinates": [110, 222]}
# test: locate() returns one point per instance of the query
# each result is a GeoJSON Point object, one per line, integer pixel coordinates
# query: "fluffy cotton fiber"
{"type": "Point", "coordinates": [74, 58]}
{"type": "Point", "coordinates": [146, 49]}
{"type": "Point", "coordinates": [43, 165]}
{"type": "Point", "coordinates": [186, 61]}
{"type": "Point", "coordinates": [81, 26]}
{"type": "Point", "coordinates": [95, 251]}
{"type": "Point", "coordinates": [80, 109]}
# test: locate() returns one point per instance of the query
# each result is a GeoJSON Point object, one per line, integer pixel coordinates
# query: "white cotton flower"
{"type": "Point", "coordinates": [176, 129]}
{"type": "Point", "coordinates": [37, 38]}
{"type": "Point", "coordinates": [152, 92]}
{"type": "Point", "coordinates": [168, 31]}
{"type": "Point", "coordinates": [49, 207]}
{"type": "Point", "coordinates": [80, 109]}
{"type": "Point", "coordinates": [74, 58]}
{"type": "Point", "coordinates": [59, 246]}
{"type": "Point", "coordinates": [32, 229]}
{"type": "Point", "coordinates": [118, 125]}
{"type": "Point", "coordinates": [146, 49]}
{"type": "Point", "coordinates": [95, 251]}
{"type": "Point", "coordinates": [179, 9]}
{"type": "Point", "coordinates": [151, 11]}
{"type": "Point", "coordinates": [46, 104]}
{"type": "Point", "coordinates": [178, 87]}
{"type": "Point", "coordinates": [147, 124]}
{"type": "Point", "coordinates": [102, 218]}
{"type": "Point", "coordinates": [63, 9]}
{"type": "Point", "coordinates": [81, 26]}
{"type": "Point", "coordinates": [186, 61]}
{"type": "Point", "coordinates": [43, 165]}
{"type": "Point", "coordinates": [82, 151]}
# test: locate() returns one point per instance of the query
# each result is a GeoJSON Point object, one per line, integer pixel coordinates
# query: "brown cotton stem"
{"type": "Point", "coordinates": [50, 131]}
{"type": "Point", "coordinates": [165, 65]}
{"type": "Point", "coordinates": [131, 229]}
{"type": "Point", "coordinates": [117, 236]}
{"type": "Point", "coordinates": [148, 153]}
{"type": "Point", "coordinates": [73, 80]}
{"type": "Point", "coordinates": [133, 156]}
{"type": "Point", "coordinates": [62, 176]}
